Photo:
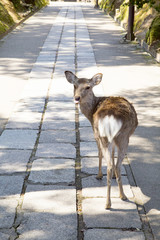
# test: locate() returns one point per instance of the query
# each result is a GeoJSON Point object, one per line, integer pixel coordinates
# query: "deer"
{"type": "Point", "coordinates": [113, 121]}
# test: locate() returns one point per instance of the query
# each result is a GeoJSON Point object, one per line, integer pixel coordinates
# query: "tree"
{"type": "Point", "coordinates": [96, 4]}
{"type": "Point", "coordinates": [130, 33]}
{"type": "Point", "coordinates": [132, 3]}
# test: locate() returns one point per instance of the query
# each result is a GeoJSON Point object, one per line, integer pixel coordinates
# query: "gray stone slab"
{"type": "Point", "coordinates": [48, 226]}
{"type": "Point", "coordinates": [65, 106]}
{"type": "Point", "coordinates": [123, 214]}
{"type": "Point", "coordinates": [60, 114]}
{"type": "Point", "coordinates": [18, 139]}
{"type": "Point", "coordinates": [62, 136]}
{"type": "Point", "coordinates": [49, 213]}
{"type": "Point", "coordinates": [7, 210]}
{"type": "Point", "coordinates": [108, 234]}
{"type": "Point", "coordinates": [83, 121]}
{"type": "Point", "coordinates": [11, 185]}
{"type": "Point", "coordinates": [91, 187]}
{"type": "Point", "coordinates": [10, 190]}
{"type": "Point", "coordinates": [14, 160]}
{"type": "Point", "coordinates": [86, 134]}
{"type": "Point", "coordinates": [56, 199]}
{"type": "Point", "coordinates": [50, 124]}
{"type": "Point", "coordinates": [86, 54]}
{"type": "Point", "coordinates": [30, 104]}
{"type": "Point", "coordinates": [90, 165]}
{"type": "Point", "coordinates": [62, 97]}
{"type": "Point", "coordinates": [4, 236]}
{"type": "Point", "coordinates": [29, 120]}
{"type": "Point", "coordinates": [88, 149]}
{"type": "Point", "coordinates": [53, 171]}
{"type": "Point", "coordinates": [61, 150]}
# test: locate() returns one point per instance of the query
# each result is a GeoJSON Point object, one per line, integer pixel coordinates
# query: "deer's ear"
{"type": "Point", "coordinates": [71, 77]}
{"type": "Point", "coordinates": [96, 79]}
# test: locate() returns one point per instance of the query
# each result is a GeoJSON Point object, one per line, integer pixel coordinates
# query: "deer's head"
{"type": "Point", "coordinates": [83, 86]}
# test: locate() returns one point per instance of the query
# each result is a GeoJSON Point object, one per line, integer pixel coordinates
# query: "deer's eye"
{"type": "Point", "coordinates": [88, 87]}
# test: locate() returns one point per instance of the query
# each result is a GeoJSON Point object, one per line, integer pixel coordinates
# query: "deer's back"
{"type": "Point", "coordinates": [118, 107]}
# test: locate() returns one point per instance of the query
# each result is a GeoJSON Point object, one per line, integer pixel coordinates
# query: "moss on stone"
{"type": "Point", "coordinates": [9, 14]}
{"type": "Point", "coordinates": [3, 27]}
{"type": "Point", "coordinates": [6, 21]}
{"type": "Point", "coordinates": [153, 34]}
{"type": "Point", "coordinates": [110, 5]}
{"type": "Point", "coordinates": [5, 16]}
{"type": "Point", "coordinates": [123, 11]}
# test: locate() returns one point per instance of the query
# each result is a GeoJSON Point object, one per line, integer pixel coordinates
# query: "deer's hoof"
{"type": "Point", "coordinates": [108, 205]}
{"type": "Point", "coordinates": [99, 176]}
{"type": "Point", "coordinates": [123, 197]}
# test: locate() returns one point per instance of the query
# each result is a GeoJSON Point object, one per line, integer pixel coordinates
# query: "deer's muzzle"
{"type": "Point", "coordinates": [77, 99]}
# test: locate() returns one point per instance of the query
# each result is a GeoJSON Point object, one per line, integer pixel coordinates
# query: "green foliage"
{"type": "Point", "coordinates": [4, 16]}
{"type": "Point", "coordinates": [16, 3]}
{"type": "Point", "coordinates": [110, 5]}
{"type": "Point", "coordinates": [3, 27]}
{"type": "Point", "coordinates": [123, 12]}
{"type": "Point", "coordinates": [153, 33]}
{"type": "Point", "coordinates": [140, 16]}
{"type": "Point", "coordinates": [5, 19]}
{"type": "Point", "coordinates": [37, 3]}
{"type": "Point", "coordinates": [41, 3]}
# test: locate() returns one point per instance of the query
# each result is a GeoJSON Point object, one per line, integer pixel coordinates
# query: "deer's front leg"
{"type": "Point", "coordinates": [100, 174]}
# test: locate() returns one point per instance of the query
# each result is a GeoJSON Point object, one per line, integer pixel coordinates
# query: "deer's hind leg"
{"type": "Point", "coordinates": [106, 149]}
{"type": "Point", "coordinates": [122, 149]}
{"type": "Point", "coordinates": [100, 155]}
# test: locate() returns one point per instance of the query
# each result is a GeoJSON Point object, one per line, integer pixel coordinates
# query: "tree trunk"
{"type": "Point", "coordinates": [130, 34]}
{"type": "Point", "coordinates": [96, 5]}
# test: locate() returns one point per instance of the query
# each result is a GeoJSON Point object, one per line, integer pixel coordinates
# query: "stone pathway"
{"type": "Point", "coordinates": [48, 154]}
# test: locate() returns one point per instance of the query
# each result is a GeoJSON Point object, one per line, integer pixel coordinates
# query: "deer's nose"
{"type": "Point", "coordinates": [77, 99]}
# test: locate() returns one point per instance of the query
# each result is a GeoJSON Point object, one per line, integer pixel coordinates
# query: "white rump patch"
{"type": "Point", "coordinates": [109, 126]}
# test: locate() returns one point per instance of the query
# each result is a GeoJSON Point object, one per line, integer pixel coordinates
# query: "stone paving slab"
{"type": "Point", "coordinates": [108, 234]}
{"type": "Point", "coordinates": [89, 165]}
{"type": "Point", "coordinates": [56, 114]}
{"type": "Point", "coordinates": [86, 134]}
{"type": "Point", "coordinates": [10, 190]}
{"type": "Point", "coordinates": [4, 236]}
{"type": "Point", "coordinates": [50, 124]}
{"type": "Point", "coordinates": [88, 149]}
{"type": "Point", "coordinates": [14, 161]}
{"type": "Point", "coordinates": [91, 187]}
{"type": "Point", "coordinates": [15, 139]}
{"type": "Point", "coordinates": [63, 106]}
{"type": "Point", "coordinates": [83, 122]}
{"type": "Point", "coordinates": [53, 208]}
{"type": "Point", "coordinates": [11, 185]}
{"type": "Point", "coordinates": [50, 226]}
{"type": "Point", "coordinates": [53, 171]}
{"type": "Point", "coordinates": [29, 120]}
{"type": "Point", "coordinates": [57, 199]}
{"type": "Point", "coordinates": [7, 208]}
{"type": "Point", "coordinates": [54, 150]}
{"type": "Point", "coordinates": [62, 136]}
{"type": "Point", "coordinates": [123, 214]}
{"type": "Point", "coordinates": [34, 104]}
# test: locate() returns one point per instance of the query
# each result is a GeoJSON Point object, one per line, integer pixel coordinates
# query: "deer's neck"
{"type": "Point", "coordinates": [88, 106]}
